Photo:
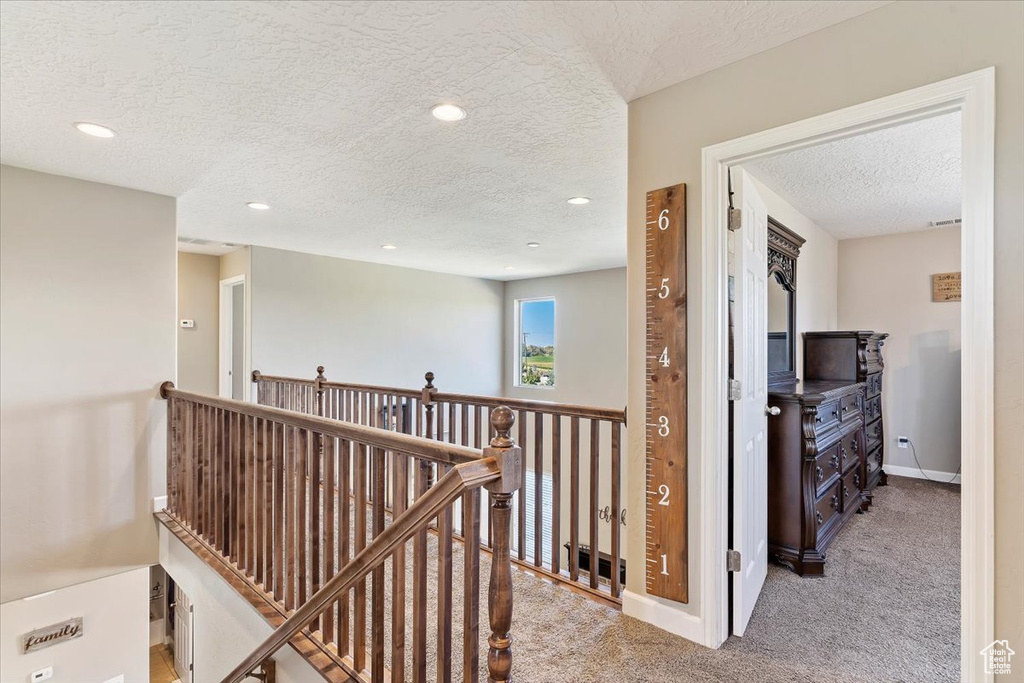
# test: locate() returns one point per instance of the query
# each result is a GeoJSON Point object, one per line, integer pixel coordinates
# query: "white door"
{"type": "Point", "coordinates": [750, 422]}
{"type": "Point", "coordinates": [182, 635]}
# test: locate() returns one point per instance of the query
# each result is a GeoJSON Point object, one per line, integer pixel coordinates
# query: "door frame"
{"type": "Point", "coordinates": [973, 94]}
{"type": "Point", "coordinates": [225, 340]}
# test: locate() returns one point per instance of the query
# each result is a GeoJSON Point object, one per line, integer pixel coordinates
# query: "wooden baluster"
{"type": "Point", "coordinates": [444, 590]}
{"type": "Point", "coordinates": [538, 487]}
{"type": "Point", "coordinates": [280, 476]}
{"type": "Point", "coordinates": [616, 505]}
{"type": "Point", "coordinates": [471, 594]}
{"type": "Point", "coordinates": [490, 498]}
{"type": "Point", "coordinates": [291, 511]}
{"type": "Point", "coordinates": [302, 516]}
{"type": "Point", "coordinates": [595, 478]}
{"type": "Point", "coordinates": [359, 621]}
{"type": "Point", "coordinates": [400, 484]}
{"type": "Point", "coordinates": [377, 606]}
{"type": "Point", "coordinates": [200, 472]}
{"type": "Point", "coordinates": [345, 530]}
{"type": "Point", "coordinates": [172, 445]}
{"type": "Point", "coordinates": [520, 497]}
{"type": "Point", "coordinates": [419, 578]}
{"type": "Point", "coordinates": [189, 460]}
{"type": "Point", "coordinates": [478, 428]}
{"type": "Point", "coordinates": [260, 502]}
{"type": "Point", "coordinates": [464, 441]}
{"type": "Point", "coordinates": [330, 617]}
{"type": "Point", "coordinates": [556, 492]}
{"type": "Point", "coordinates": [499, 591]}
{"type": "Point", "coordinates": [574, 499]}
{"type": "Point", "coordinates": [237, 491]}
{"type": "Point", "coordinates": [315, 521]}
{"type": "Point", "coordinates": [249, 495]}
{"type": "Point", "coordinates": [224, 485]}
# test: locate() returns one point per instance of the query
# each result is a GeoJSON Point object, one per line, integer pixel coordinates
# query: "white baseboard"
{"type": "Point", "coordinates": [664, 616]}
{"type": "Point", "coordinates": [159, 503]}
{"type": "Point", "coordinates": [914, 473]}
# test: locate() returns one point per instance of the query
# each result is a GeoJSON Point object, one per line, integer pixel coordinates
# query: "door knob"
{"type": "Point", "coordinates": [771, 410]}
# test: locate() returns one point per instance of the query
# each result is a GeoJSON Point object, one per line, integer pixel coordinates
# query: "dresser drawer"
{"type": "Point", "coordinates": [873, 435]}
{"type": "Point", "coordinates": [827, 506]}
{"type": "Point", "coordinates": [850, 490]}
{"type": "Point", "coordinates": [872, 408]}
{"type": "Point", "coordinates": [826, 469]}
{"type": "Point", "coordinates": [827, 416]}
{"type": "Point", "coordinates": [874, 462]}
{"type": "Point", "coordinates": [850, 407]}
{"type": "Point", "coordinates": [874, 384]}
{"type": "Point", "coordinates": [849, 450]}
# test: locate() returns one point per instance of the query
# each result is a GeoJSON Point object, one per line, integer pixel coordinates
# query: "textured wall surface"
{"type": "Point", "coordinates": [893, 49]}
{"type": "Point", "coordinates": [198, 299]}
{"type": "Point", "coordinates": [87, 297]}
{"type": "Point", "coordinates": [322, 110]}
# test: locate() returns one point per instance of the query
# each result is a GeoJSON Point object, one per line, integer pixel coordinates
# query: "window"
{"type": "Point", "coordinates": [535, 341]}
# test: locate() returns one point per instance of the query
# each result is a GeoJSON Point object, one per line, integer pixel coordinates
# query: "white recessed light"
{"type": "Point", "coordinates": [510, 267]}
{"type": "Point", "coordinates": [579, 200]}
{"type": "Point", "coordinates": [388, 246]}
{"type": "Point", "coordinates": [448, 112]}
{"type": "Point", "coordinates": [95, 130]}
{"type": "Point", "coordinates": [227, 245]}
{"type": "Point", "coordinates": [259, 206]}
{"type": "Point", "coordinates": [533, 245]}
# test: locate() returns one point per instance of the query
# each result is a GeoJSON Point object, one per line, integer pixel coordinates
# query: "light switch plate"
{"type": "Point", "coordinates": [188, 323]}
{"type": "Point", "coordinates": [41, 675]}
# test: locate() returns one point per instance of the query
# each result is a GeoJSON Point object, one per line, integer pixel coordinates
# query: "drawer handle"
{"type": "Point", "coordinates": [846, 492]}
{"type": "Point", "coordinates": [821, 473]}
{"type": "Point", "coordinates": [819, 517]}
{"type": "Point", "coordinates": [835, 461]}
{"type": "Point", "coordinates": [856, 479]}
{"type": "Point", "coordinates": [855, 446]}
{"type": "Point", "coordinates": [834, 502]}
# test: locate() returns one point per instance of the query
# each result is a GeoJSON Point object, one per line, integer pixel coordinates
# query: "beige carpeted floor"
{"type": "Point", "coordinates": [888, 609]}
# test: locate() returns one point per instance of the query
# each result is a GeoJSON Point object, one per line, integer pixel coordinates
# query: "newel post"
{"type": "Point", "coordinates": [499, 593]}
{"type": "Point", "coordinates": [318, 386]}
{"type": "Point", "coordinates": [427, 398]}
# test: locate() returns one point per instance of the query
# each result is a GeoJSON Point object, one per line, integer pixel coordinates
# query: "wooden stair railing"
{"type": "Point", "coordinates": [579, 448]}
{"type": "Point", "coordinates": [270, 492]}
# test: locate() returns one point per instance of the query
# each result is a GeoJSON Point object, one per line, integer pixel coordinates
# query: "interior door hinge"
{"type": "Point", "coordinates": [735, 219]}
{"type": "Point", "coordinates": [733, 561]}
{"type": "Point", "coordinates": [735, 390]}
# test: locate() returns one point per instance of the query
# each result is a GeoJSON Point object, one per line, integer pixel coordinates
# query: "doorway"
{"type": "Point", "coordinates": [232, 372]}
{"type": "Point", "coordinates": [973, 96]}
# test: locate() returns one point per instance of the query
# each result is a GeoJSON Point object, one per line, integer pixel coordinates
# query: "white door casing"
{"type": "Point", "coordinates": [182, 635]}
{"type": "Point", "coordinates": [750, 422]}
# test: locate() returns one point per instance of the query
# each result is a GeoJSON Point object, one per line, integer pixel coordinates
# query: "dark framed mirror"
{"type": "Point", "coordinates": [783, 251]}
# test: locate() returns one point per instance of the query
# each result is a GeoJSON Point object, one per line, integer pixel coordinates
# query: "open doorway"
{"type": "Point", "coordinates": [973, 96]}
{"type": "Point", "coordinates": [233, 381]}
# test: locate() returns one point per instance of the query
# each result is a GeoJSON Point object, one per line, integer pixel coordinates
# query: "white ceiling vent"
{"type": "Point", "coordinates": [946, 223]}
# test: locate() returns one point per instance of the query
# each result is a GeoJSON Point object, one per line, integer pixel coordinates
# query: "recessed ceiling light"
{"type": "Point", "coordinates": [388, 246]}
{"type": "Point", "coordinates": [579, 200]}
{"type": "Point", "coordinates": [227, 245]}
{"type": "Point", "coordinates": [259, 206]}
{"type": "Point", "coordinates": [448, 112]}
{"type": "Point", "coordinates": [533, 245]}
{"type": "Point", "coordinates": [95, 130]}
{"type": "Point", "coordinates": [510, 267]}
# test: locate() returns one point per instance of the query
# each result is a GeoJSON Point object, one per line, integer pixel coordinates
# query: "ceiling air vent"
{"type": "Point", "coordinates": [946, 223]}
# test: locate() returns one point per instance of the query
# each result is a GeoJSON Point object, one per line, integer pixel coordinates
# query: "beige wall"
{"type": "Point", "coordinates": [226, 628]}
{"type": "Point", "coordinates": [198, 299]}
{"type": "Point", "coordinates": [922, 354]}
{"type": "Point", "coordinates": [590, 337]}
{"type": "Point", "coordinates": [87, 294]}
{"type": "Point", "coordinates": [114, 640]}
{"type": "Point", "coordinates": [374, 324]}
{"type": "Point", "coordinates": [234, 264]}
{"type": "Point", "coordinates": [889, 50]}
{"type": "Point", "coordinates": [816, 293]}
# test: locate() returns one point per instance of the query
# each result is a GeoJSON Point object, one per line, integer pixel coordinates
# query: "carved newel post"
{"type": "Point", "coordinates": [499, 594]}
{"type": "Point", "coordinates": [318, 386]}
{"type": "Point", "coordinates": [427, 398]}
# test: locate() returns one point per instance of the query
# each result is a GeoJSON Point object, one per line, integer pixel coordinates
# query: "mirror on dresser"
{"type": "Point", "coordinates": [783, 250]}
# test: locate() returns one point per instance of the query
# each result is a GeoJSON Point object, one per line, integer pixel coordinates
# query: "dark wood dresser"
{"type": "Point", "coordinates": [854, 356]}
{"type": "Point", "coordinates": [816, 445]}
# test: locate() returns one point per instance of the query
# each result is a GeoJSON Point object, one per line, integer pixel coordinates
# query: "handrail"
{"type": "Point", "coordinates": [436, 451]}
{"type": "Point", "coordinates": [456, 482]}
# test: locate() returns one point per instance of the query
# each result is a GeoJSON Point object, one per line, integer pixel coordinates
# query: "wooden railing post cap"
{"type": "Point", "coordinates": [320, 372]}
{"type": "Point", "coordinates": [165, 389]}
{"type": "Point", "coordinates": [503, 449]}
{"type": "Point", "coordinates": [430, 380]}
{"type": "Point", "coordinates": [256, 375]}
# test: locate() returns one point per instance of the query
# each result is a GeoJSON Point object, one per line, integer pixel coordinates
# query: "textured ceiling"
{"type": "Point", "coordinates": [321, 110]}
{"type": "Point", "coordinates": [897, 179]}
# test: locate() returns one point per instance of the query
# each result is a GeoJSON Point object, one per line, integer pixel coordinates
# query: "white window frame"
{"type": "Point", "coordinates": [517, 369]}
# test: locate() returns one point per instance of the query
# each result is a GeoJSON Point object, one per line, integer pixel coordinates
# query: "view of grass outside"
{"type": "Point", "coordinates": [537, 342]}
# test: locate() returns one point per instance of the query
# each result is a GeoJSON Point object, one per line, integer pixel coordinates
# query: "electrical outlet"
{"type": "Point", "coordinates": [42, 675]}
{"type": "Point", "coordinates": [902, 441]}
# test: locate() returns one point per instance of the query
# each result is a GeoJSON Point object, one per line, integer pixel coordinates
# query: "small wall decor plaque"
{"type": "Point", "coordinates": [946, 287]}
{"type": "Point", "coordinates": [52, 635]}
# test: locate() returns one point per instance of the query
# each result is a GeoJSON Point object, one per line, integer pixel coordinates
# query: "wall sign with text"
{"type": "Point", "coordinates": [52, 635]}
{"type": "Point", "coordinates": [946, 287]}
